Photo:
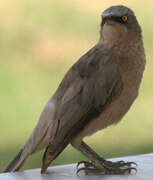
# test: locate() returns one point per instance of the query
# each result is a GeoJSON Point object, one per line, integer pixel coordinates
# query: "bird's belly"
{"type": "Point", "coordinates": [114, 112]}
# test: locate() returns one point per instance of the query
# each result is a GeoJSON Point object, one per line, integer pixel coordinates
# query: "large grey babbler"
{"type": "Point", "coordinates": [96, 92]}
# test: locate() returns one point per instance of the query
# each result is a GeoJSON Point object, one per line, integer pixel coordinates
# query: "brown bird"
{"type": "Point", "coordinates": [96, 92]}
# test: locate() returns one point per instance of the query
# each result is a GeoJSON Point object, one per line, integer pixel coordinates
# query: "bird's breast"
{"type": "Point", "coordinates": [118, 107]}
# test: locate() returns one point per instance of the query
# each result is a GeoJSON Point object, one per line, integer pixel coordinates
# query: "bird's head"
{"type": "Point", "coordinates": [118, 25]}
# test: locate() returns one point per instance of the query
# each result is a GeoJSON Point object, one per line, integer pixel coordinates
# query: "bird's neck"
{"type": "Point", "coordinates": [131, 60]}
{"type": "Point", "coordinates": [129, 54]}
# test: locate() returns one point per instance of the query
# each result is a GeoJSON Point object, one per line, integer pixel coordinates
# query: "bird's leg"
{"type": "Point", "coordinates": [99, 165]}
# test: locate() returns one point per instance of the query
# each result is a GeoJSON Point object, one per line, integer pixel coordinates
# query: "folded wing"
{"type": "Point", "coordinates": [82, 95]}
{"type": "Point", "coordinates": [97, 81]}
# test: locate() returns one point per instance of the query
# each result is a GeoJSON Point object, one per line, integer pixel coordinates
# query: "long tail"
{"type": "Point", "coordinates": [43, 133]}
{"type": "Point", "coordinates": [16, 163]}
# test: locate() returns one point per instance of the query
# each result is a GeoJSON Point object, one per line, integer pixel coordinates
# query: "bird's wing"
{"type": "Point", "coordinates": [83, 93]}
{"type": "Point", "coordinates": [97, 80]}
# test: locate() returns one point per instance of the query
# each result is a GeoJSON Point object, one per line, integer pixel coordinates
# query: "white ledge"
{"type": "Point", "coordinates": [68, 172]}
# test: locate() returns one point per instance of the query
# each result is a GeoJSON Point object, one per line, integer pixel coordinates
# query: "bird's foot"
{"type": "Point", "coordinates": [106, 167]}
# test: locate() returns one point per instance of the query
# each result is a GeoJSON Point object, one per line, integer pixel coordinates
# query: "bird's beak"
{"type": "Point", "coordinates": [109, 22]}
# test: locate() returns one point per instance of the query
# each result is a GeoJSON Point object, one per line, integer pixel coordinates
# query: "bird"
{"type": "Point", "coordinates": [96, 92]}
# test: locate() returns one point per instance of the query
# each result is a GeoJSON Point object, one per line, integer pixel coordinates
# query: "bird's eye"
{"type": "Point", "coordinates": [124, 18]}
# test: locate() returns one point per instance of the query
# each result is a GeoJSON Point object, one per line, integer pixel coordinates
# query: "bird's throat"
{"type": "Point", "coordinates": [112, 35]}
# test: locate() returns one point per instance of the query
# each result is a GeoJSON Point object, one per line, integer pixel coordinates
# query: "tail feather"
{"type": "Point", "coordinates": [43, 133]}
{"type": "Point", "coordinates": [16, 163]}
{"type": "Point", "coordinates": [35, 143]}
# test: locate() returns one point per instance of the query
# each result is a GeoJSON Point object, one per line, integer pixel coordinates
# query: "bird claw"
{"type": "Point", "coordinates": [118, 164]}
{"type": "Point", "coordinates": [107, 167]}
{"type": "Point", "coordinates": [85, 163]}
{"type": "Point", "coordinates": [120, 171]}
{"type": "Point", "coordinates": [89, 171]}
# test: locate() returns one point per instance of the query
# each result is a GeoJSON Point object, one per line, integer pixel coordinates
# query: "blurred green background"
{"type": "Point", "coordinates": [39, 41]}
